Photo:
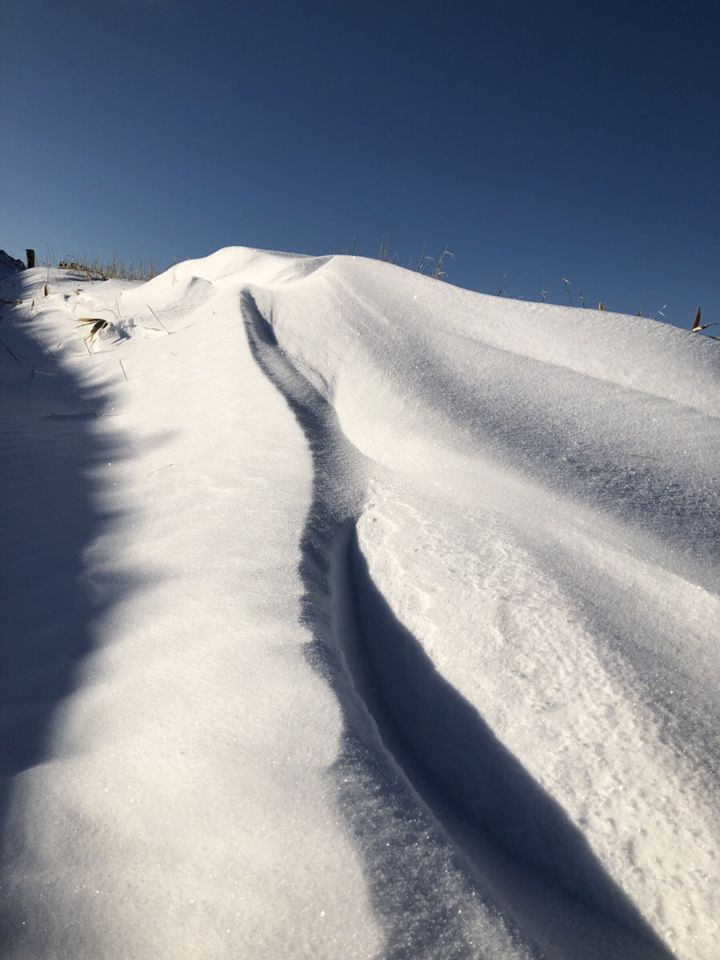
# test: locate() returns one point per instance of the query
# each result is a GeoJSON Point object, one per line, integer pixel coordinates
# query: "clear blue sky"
{"type": "Point", "coordinates": [538, 139]}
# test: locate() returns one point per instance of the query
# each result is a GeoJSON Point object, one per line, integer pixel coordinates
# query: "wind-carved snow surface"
{"type": "Point", "coordinates": [355, 615]}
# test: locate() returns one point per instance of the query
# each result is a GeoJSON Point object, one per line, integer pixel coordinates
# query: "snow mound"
{"type": "Point", "coordinates": [353, 614]}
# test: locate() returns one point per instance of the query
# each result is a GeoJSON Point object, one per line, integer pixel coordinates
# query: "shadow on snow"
{"type": "Point", "coordinates": [50, 514]}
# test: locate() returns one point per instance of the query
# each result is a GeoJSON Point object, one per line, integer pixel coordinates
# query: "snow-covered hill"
{"type": "Point", "coordinates": [350, 614]}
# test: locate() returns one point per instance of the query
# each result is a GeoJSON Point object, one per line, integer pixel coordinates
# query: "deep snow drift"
{"type": "Point", "coordinates": [350, 614]}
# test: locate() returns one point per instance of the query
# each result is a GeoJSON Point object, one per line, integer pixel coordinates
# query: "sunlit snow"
{"type": "Point", "coordinates": [348, 614]}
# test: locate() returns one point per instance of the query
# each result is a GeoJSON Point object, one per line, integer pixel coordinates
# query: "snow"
{"type": "Point", "coordinates": [352, 614]}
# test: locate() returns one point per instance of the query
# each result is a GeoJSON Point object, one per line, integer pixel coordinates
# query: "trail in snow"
{"type": "Point", "coordinates": [417, 887]}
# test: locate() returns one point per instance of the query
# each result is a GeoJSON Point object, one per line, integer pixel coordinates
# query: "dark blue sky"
{"type": "Point", "coordinates": [537, 139]}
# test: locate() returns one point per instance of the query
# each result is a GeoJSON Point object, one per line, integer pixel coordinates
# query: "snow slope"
{"type": "Point", "coordinates": [350, 614]}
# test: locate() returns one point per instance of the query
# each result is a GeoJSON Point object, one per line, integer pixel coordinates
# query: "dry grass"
{"type": "Point", "coordinates": [424, 263]}
{"type": "Point", "coordinates": [115, 269]}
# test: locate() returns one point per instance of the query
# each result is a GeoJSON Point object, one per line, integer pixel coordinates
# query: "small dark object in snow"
{"type": "Point", "coordinates": [9, 265]}
{"type": "Point", "coordinates": [98, 324]}
{"type": "Point", "coordinates": [697, 326]}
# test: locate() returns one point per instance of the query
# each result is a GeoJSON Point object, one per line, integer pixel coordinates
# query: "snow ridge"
{"type": "Point", "coordinates": [455, 767]}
